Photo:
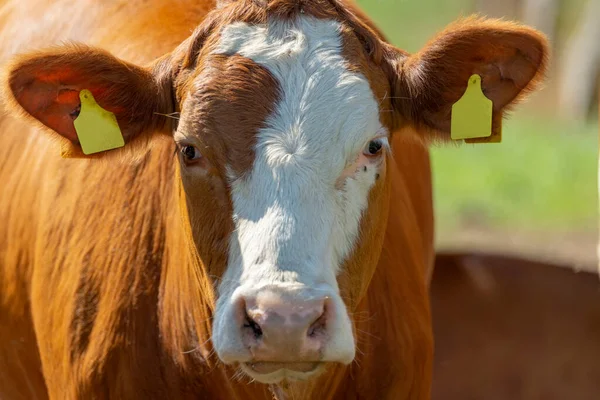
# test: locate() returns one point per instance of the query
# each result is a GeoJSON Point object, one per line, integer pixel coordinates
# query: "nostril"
{"type": "Point", "coordinates": [252, 326]}
{"type": "Point", "coordinates": [318, 327]}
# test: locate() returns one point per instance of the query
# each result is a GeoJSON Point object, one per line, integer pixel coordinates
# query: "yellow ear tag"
{"type": "Point", "coordinates": [472, 113]}
{"type": "Point", "coordinates": [97, 129]}
{"type": "Point", "coordinates": [495, 138]}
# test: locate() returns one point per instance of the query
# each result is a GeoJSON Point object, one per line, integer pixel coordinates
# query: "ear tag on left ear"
{"type": "Point", "coordinates": [495, 138]}
{"type": "Point", "coordinates": [97, 129]}
{"type": "Point", "coordinates": [472, 113]}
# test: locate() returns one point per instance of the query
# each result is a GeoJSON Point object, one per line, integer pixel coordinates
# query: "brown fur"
{"type": "Point", "coordinates": [107, 264]}
{"type": "Point", "coordinates": [509, 328]}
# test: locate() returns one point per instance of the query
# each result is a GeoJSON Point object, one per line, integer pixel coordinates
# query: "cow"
{"type": "Point", "coordinates": [267, 228]}
{"type": "Point", "coordinates": [512, 328]}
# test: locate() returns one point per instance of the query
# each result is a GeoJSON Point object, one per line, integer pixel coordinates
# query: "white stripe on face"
{"type": "Point", "coordinates": [295, 222]}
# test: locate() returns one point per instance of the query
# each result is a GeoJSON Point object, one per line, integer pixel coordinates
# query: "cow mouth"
{"type": "Point", "coordinates": [274, 372]}
{"type": "Point", "coordinates": [267, 367]}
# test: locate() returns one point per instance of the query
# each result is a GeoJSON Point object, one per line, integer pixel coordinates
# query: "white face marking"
{"type": "Point", "coordinates": [297, 212]}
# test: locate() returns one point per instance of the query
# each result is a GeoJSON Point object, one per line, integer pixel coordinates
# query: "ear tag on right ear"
{"type": "Point", "coordinates": [97, 128]}
{"type": "Point", "coordinates": [472, 113]}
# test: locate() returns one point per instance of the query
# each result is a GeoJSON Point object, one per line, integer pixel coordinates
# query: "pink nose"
{"type": "Point", "coordinates": [284, 330]}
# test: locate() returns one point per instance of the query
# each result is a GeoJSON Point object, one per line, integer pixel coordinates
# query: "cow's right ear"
{"type": "Point", "coordinates": [45, 85]}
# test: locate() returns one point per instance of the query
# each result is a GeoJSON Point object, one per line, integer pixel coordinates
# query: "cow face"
{"type": "Point", "coordinates": [297, 143]}
{"type": "Point", "coordinates": [284, 118]}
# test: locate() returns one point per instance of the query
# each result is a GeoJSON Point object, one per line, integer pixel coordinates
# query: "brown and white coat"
{"type": "Point", "coordinates": [274, 179]}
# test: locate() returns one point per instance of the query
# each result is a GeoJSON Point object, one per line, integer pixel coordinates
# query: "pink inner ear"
{"type": "Point", "coordinates": [503, 80]}
{"type": "Point", "coordinates": [51, 104]}
{"type": "Point", "coordinates": [47, 86]}
{"type": "Point", "coordinates": [62, 75]}
{"type": "Point", "coordinates": [68, 96]}
{"type": "Point", "coordinates": [58, 118]}
{"type": "Point", "coordinates": [52, 96]}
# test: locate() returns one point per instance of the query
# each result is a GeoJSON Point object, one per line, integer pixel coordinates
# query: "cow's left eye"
{"type": "Point", "coordinates": [374, 147]}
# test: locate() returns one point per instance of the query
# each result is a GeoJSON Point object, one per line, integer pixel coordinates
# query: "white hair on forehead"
{"type": "Point", "coordinates": [326, 113]}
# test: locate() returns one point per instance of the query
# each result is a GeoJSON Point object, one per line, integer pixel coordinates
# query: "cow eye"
{"type": "Point", "coordinates": [374, 147]}
{"type": "Point", "coordinates": [190, 153]}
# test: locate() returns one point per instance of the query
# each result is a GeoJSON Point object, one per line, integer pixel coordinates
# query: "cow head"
{"type": "Point", "coordinates": [282, 122]}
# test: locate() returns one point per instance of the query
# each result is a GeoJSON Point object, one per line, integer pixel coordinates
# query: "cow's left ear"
{"type": "Point", "coordinates": [511, 60]}
{"type": "Point", "coordinates": [46, 86]}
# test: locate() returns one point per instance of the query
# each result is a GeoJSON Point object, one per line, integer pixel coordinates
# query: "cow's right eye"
{"type": "Point", "coordinates": [190, 153]}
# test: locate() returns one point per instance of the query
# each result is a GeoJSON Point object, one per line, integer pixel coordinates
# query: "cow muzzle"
{"type": "Point", "coordinates": [278, 333]}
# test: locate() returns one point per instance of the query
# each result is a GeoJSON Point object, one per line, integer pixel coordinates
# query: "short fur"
{"type": "Point", "coordinates": [107, 288]}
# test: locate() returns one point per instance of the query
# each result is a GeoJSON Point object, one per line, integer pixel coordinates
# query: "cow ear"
{"type": "Point", "coordinates": [511, 60]}
{"type": "Point", "coordinates": [46, 86]}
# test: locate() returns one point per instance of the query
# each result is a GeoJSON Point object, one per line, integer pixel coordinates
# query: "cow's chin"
{"type": "Point", "coordinates": [278, 372]}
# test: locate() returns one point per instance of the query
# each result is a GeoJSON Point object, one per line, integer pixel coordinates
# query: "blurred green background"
{"type": "Point", "coordinates": [535, 194]}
